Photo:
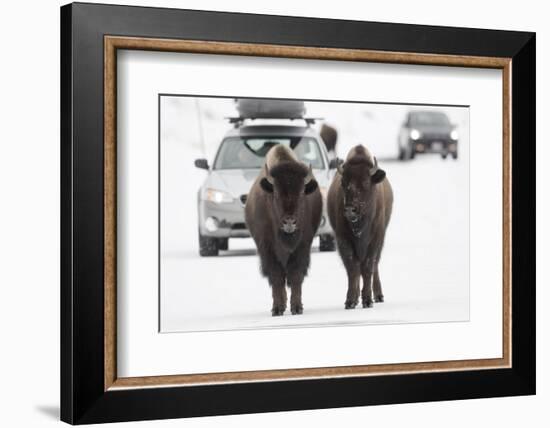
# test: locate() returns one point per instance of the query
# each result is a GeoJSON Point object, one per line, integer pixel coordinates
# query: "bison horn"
{"type": "Point", "coordinates": [340, 167]}
{"type": "Point", "coordinates": [268, 175]}
{"type": "Point", "coordinates": [309, 176]}
{"type": "Point", "coordinates": [374, 169]}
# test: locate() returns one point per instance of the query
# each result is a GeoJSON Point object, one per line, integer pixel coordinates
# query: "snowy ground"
{"type": "Point", "coordinates": [424, 268]}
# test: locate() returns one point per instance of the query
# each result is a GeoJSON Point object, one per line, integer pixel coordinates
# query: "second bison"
{"type": "Point", "coordinates": [360, 202]}
{"type": "Point", "coordinates": [283, 212]}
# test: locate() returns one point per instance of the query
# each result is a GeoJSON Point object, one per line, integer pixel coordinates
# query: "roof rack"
{"type": "Point", "coordinates": [238, 120]}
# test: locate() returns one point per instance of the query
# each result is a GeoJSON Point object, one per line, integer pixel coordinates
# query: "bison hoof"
{"type": "Point", "coordinates": [367, 303]}
{"type": "Point", "coordinates": [278, 311]}
{"type": "Point", "coordinates": [297, 309]}
{"type": "Point", "coordinates": [379, 299]}
{"type": "Point", "coordinates": [351, 305]}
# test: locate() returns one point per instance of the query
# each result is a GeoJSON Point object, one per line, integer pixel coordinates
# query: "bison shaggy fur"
{"type": "Point", "coordinates": [360, 201]}
{"type": "Point", "coordinates": [283, 212]}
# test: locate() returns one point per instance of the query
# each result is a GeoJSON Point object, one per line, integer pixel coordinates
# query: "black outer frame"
{"type": "Point", "coordinates": [83, 399]}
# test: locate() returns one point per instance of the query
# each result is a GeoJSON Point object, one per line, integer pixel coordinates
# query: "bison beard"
{"type": "Point", "coordinates": [360, 201]}
{"type": "Point", "coordinates": [283, 212]}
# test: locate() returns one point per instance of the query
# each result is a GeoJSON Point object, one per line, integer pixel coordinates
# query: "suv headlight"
{"type": "Point", "coordinates": [454, 134]}
{"type": "Point", "coordinates": [415, 134]}
{"type": "Point", "coordinates": [217, 196]}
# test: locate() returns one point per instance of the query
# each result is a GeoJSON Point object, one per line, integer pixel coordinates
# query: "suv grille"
{"type": "Point", "coordinates": [436, 136]}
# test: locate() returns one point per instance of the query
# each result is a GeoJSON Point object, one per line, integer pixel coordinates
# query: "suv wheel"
{"type": "Point", "coordinates": [326, 243]}
{"type": "Point", "coordinates": [208, 247]}
{"type": "Point", "coordinates": [401, 155]}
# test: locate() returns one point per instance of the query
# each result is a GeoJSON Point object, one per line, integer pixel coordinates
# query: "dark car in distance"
{"type": "Point", "coordinates": [427, 132]}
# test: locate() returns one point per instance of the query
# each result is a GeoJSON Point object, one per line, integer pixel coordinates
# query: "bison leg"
{"type": "Point", "coordinates": [352, 298]}
{"type": "Point", "coordinates": [295, 280]}
{"type": "Point", "coordinates": [352, 268]}
{"type": "Point", "coordinates": [366, 294]}
{"type": "Point", "coordinates": [278, 291]}
{"type": "Point", "coordinates": [297, 267]}
{"type": "Point", "coordinates": [377, 285]}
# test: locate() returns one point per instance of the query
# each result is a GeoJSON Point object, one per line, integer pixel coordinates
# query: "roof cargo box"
{"type": "Point", "coordinates": [270, 109]}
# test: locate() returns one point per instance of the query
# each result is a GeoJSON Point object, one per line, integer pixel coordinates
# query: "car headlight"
{"type": "Point", "coordinates": [217, 196]}
{"type": "Point", "coordinates": [454, 134]}
{"type": "Point", "coordinates": [415, 134]}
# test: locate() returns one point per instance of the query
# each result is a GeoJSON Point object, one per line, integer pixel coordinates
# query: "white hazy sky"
{"type": "Point", "coordinates": [374, 125]}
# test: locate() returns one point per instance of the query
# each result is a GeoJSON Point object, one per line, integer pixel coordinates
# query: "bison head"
{"type": "Point", "coordinates": [360, 174]}
{"type": "Point", "coordinates": [289, 183]}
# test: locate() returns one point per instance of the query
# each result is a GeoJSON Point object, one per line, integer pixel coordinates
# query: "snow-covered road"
{"type": "Point", "coordinates": [424, 268]}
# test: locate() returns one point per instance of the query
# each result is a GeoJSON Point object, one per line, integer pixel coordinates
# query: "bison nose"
{"type": "Point", "coordinates": [289, 224]}
{"type": "Point", "coordinates": [350, 212]}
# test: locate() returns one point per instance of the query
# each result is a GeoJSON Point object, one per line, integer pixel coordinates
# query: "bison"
{"type": "Point", "coordinates": [329, 135]}
{"type": "Point", "coordinates": [360, 201]}
{"type": "Point", "coordinates": [283, 212]}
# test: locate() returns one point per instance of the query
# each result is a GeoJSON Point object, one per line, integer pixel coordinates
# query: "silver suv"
{"type": "Point", "coordinates": [239, 158]}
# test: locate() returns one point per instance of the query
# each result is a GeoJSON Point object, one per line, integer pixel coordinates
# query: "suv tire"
{"type": "Point", "coordinates": [401, 155]}
{"type": "Point", "coordinates": [326, 243]}
{"type": "Point", "coordinates": [208, 247]}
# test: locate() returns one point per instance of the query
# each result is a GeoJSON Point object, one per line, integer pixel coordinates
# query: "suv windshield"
{"type": "Point", "coordinates": [429, 118]}
{"type": "Point", "coordinates": [249, 152]}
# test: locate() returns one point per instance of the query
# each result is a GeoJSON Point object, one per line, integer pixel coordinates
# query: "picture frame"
{"type": "Point", "coordinates": [91, 391]}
